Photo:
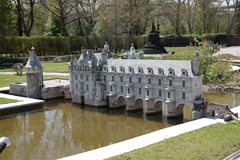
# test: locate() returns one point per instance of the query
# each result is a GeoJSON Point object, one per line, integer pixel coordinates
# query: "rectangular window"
{"type": "Point", "coordinates": [105, 88]}
{"type": "Point", "coordinates": [76, 86]}
{"type": "Point", "coordinates": [139, 80]}
{"type": "Point", "coordinates": [170, 82]}
{"type": "Point", "coordinates": [104, 78]}
{"type": "Point", "coordinates": [121, 79]}
{"type": "Point", "coordinates": [82, 86]}
{"type": "Point", "coordinates": [87, 88]}
{"type": "Point", "coordinates": [128, 90]}
{"type": "Point", "coordinates": [112, 78]}
{"type": "Point", "coordinates": [81, 76]}
{"type": "Point", "coordinates": [139, 91]}
{"type": "Point", "coordinates": [160, 93]}
{"type": "Point", "coordinates": [86, 78]}
{"type": "Point", "coordinates": [149, 80]}
{"type": "Point", "coordinates": [111, 89]}
{"type": "Point", "coordinates": [130, 79]}
{"type": "Point", "coordinates": [121, 89]}
{"type": "Point", "coordinates": [159, 82]}
{"type": "Point", "coordinates": [147, 92]}
{"type": "Point", "coordinates": [183, 95]}
{"type": "Point", "coordinates": [169, 94]}
{"type": "Point", "coordinates": [76, 77]}
{"type": "Point", "coordinates": [183, 84]}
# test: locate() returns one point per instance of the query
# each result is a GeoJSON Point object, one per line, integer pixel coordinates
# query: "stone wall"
{"type": "Point", "coordinates": [18, 89]}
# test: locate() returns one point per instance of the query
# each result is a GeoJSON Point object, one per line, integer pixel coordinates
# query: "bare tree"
{"type": "Point", "coordinates": [191, 6]}
{"type": "Point", "coordinates": [25, 16]}
{"type": "Point", "coordinates": [207, 11]}
{"type": "Point", "coordinates": [62, 9]}
{"type": "Point", "coordinates": [231, 14]}
{"type": "Point", "coordinates": [173, 10]}
{"type": "Point", "coordinates": [86, 13]}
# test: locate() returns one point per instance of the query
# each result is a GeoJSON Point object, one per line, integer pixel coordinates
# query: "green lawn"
{"type": "Point", "coordinates": [61, 67]}
{"type": "Point", "coordinates": [213, 142]}
{"type": "Point", "coordinates": [5, 80]}
{"type": "Point", "coordinates": [6, 101]}
{"type": "Point", "coordinates": [180, 53]}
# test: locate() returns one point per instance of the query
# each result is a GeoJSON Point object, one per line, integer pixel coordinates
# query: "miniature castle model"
{"type": "Point", "coordinates": [151, 85]}
{"type": "Point", "coordinates": [36, 87]}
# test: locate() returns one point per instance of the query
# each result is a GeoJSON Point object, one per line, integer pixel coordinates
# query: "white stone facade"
{"type": "Point", "coordinates": [151, 85]}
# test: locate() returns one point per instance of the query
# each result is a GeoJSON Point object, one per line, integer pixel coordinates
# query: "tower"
{"type": "Point", "coordinates": [34, 74]}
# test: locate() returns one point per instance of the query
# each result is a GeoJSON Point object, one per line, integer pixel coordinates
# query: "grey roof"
{"type": "Point", "coordinates": [89, 58]}
{"type": "Point", "coordinates": [33, 60]}
{"type": "Point", "coordinates": [165, 65]}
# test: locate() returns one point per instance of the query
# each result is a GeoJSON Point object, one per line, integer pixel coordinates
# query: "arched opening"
{"type": "Point", "coordinates": [82, 99]}
{"type": "Point", "coordinates": [158, 106]}
{"type": "Point", "coordinates": [121, 101]}
{"type": "Point", "coordinates": [107, 100]}
{"type": "Point", "coordinates": [139, 103]}
{"type": "Point", "coordinates": [62, 94]}
{"type": "Point", "coordinates": [185, 111]}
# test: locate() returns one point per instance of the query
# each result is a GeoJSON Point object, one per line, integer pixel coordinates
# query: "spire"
{"type": "Point", "coordinates": [33, 60]}
{"type": "Point", "coordinates": [153, 28]}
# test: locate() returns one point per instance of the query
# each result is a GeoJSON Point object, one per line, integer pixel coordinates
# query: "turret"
{"type": "Point", "coordinates": [195, 65]}
{"type": "Point", "coordinates": [34, 75]}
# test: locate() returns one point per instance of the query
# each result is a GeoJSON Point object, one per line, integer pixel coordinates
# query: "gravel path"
{"type": "Point", "coordinates": [234, 50]}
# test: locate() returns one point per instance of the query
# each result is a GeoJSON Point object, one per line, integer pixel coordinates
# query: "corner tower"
{"type": "Point", "coordinates": [34, 74]}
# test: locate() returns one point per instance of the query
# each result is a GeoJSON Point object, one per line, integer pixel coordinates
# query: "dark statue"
{"type": "Point", "coordinates": [153, 44]}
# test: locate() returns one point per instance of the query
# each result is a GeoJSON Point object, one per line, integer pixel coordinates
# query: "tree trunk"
{"type": "Point", "coordinates": [19, 19]}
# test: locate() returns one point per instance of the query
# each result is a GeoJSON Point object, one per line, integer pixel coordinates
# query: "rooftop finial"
{"type": "Point", "coordinates": [32, 48]}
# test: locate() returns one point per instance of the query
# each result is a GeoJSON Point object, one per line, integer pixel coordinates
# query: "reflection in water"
{"type": "Point", "coordinates": [63, 129]}
{"type": "Point", "coordinates": [230, 99]}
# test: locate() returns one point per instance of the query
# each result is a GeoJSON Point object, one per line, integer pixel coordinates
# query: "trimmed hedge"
{"type": "Point", "coordinates": [19, 46]}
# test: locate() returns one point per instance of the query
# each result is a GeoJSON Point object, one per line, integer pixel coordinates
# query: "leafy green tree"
{"type": "Point", "coordinates": [5, 16]}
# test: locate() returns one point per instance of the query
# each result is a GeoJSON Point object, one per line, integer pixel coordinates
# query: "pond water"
{"type": "Point", "coordinates": [62, 128]}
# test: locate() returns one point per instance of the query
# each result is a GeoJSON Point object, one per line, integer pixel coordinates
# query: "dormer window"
{"type": "Point", "coordinates": [184, 72]}
{"type": "Point", "coordinates": [150, 71]}
{"type": "Point", "coordinates": [113, 69]}
{"type": "Point", "coordinates": [122, 69]}
{"type": "Point", "coordinates": [105, 69]}
{"type": "Point", "coordinates": [160, 71]}
{"type": "Point", "coordinates": [131, 70]}
{"type": "Point", "coordinates": [171, 72]}
{"type": "Point", "coordinates": [140, 70]}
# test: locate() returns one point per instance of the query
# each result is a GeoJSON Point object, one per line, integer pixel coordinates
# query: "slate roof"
{"type": "Point", "coordinates": [165, 65]}
{"type": "Point", "coordinates": [33, 60]}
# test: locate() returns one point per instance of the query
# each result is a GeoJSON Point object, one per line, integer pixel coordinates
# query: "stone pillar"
{"type": "Point", "coordinates": [149, 106]}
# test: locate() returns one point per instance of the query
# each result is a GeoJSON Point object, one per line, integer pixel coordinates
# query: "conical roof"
{"type": "Point", "coordinates": [33, 60]}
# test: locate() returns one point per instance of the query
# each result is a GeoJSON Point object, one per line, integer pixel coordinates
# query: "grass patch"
{"type": "Point", "coordinates": [5, 80]}
{"type": "Point", "coordinates": [6, 101]}
{"type": "Point", "coordinates": [61, 67]}
{"type": "Point", "coordinates": [213, 142]}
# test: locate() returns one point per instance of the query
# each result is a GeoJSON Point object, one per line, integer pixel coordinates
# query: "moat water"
{"type": "Point", "coordinates": [63, 129]}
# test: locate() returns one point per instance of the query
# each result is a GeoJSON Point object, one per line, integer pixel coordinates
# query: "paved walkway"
{"type": "Point", "coordinates": [144, 140]}
{"type": "Point", "coordinates": [44, 73]}
{"type": "Point", "coordinates": [23, 101]}
{"type": "Point", "coordinates": [234, 50]}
